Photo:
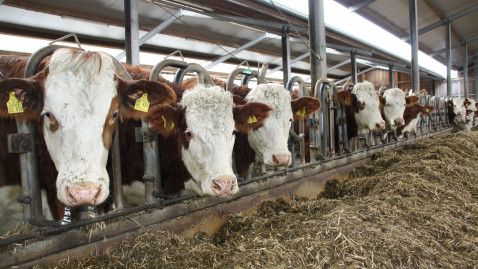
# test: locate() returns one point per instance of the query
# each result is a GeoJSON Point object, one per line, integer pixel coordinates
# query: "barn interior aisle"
{"type": "Point", "coordinates": [415, 207]}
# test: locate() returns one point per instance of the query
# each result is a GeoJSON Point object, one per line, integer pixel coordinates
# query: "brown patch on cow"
{"type": "Point", "coordinates": [295, 93]}
{"type": "Point", "coordinates": [381, 101]}
{"type": "Point", "coordinates": [110, 123]}
{"type": "Point", "coordinates": [29, 91]}
{"type": "Point", "coordinates": [411, 100]}
{"type": "Point", "coordinates": [238, 100]}
{"type": "Point", "coordinates": [240, 90]}
{"type": "Point", "coordinates": [54, 125]}
{"type": "Point", "coordinates": [129, 91]}
{"type": "Point", "coordinates": [412, 112]}
{"type": "Point", "coordinates": [166, 120]}
{"type": "Point", "coordinates": [304, 106]}
{"type": "Point", "coordinates": [251, 116]}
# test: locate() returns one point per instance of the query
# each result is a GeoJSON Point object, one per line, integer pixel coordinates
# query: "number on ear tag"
{"type": "Point", "coordinates": [301, 113]}
{"type": "Point", "coordinates": [13, 105]}
{"type": "Point", "coordinates": [252, 119]}
{"type": "Point", "coordinates": [142, 104]}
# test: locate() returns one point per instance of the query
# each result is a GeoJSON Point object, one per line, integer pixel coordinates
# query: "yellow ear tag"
{"type": "Point", "coordinates": [252, 119]}
{"type": "Point", "coordinates": [165, 123]}
{"type": "Point", "coordinates": [13, 105]}
{"type": "Point", "coordinates": [346, 103]}
{"type": "Point", "coordinates": [301, 113]}
{"type": "Point", "coordinates": [142, 104]}
{"type": "Point", "coordinates": [427, 110]}
{"type": "Point", "coordinates": [410, 104]}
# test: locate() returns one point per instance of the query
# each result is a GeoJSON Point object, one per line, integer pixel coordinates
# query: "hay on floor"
{"type": "Point", "coordinates": [415, 207]}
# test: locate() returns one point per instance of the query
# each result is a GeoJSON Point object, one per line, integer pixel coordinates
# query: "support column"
{"type": "Point", "coordinates": [448, 58]}
{"type": "Point", "coordinates": [414, 43]}
{"type": "Point", "coordinates": [390, 75]}
{"type": "Point", "coordinates": [286, 68]}
{"type": "Point", "coordinates": [318, 67]}
{"type": "Point", "coordinates": [475, 62]}
{"type": "Point", "coordinates": [131, 31]}
{"type": "Point", "coordinates": [353, 65]}
{"type": "Point", "coordinates": [465, 71]}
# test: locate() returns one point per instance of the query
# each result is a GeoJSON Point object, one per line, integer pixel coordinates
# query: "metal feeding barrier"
{"type": "Point", "coordinates": [330, 148]}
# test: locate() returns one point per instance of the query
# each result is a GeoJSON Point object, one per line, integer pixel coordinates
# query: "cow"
{"type": "Point", "coordinates": [470, 113]}
{"type": "Point", "coordinates": [361, 109]}
{"type": "Point", "coordinates": [392, 107]}
{"type": "Point", "coordinates": [268, 144]}
{"type": "Point", "coordinates": [76, 101]}
{"type": "Point", "coordinates": [475, 119]}
{"type": "Point", "coordinates": [457, 113]}
{"type": "Point", "coordinates": [411, 116]}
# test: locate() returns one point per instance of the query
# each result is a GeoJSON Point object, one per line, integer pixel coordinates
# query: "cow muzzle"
{"type": "Point", "coordinates": [88, 194]}
{"type": "Point", "coordinates": [224, 186]}
{"type": "Point", "coordinates": [398, 122]}
{"type": "Point", "coordinates": [379, 126]}
{"type": "Point", "coordinates": [280, 159]}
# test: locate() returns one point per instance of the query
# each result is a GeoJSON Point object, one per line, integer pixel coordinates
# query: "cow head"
{"type": "Point", "coordinates": [78, 98]}
{"type": "Point", "coordinates": [475, 119]}
{"type": "Point", "coordinates": [470, 106]}
{"type": "Point", "coordinates": [393, 104]}
{"type": "Point", "coordinates": [457, 110]}
{"type": "Point", "coordinates": [270, 141]}
{"type": "Point", "coordinates": [364, 103]}
{"type": "Point", "coordinates": [205, 123]}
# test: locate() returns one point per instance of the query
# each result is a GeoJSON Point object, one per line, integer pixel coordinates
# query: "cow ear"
{"type": "Point", "coordinates": [304, 106]}
{"type": "Point", "coordinates": [251, 116]}
{"type": "Point", "coordinates": [22, 98]}
{"type": "Point", "coordinates": [345, 97]}
{"type": "Point", "coordinates": [238, 100]}
{"type": "Point", "coordinates": [382, 100]}
{"type": "Point", "coordinates": [165, 119]}
{"type": "Point", "coordinates": [466, 102]}
{"type": "Point", "coordinates": [411, 100]}
{"type": "Point", "coordinates": [425, 110]}
{"type": "Point", "coordinates": [137, 96]}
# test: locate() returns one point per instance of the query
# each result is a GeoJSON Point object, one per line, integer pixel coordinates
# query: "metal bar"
{"type": "Point", "coordinates": [381, 62]}
{"type": "Point", "coordinates": [390, 75]}
{"type": "Point", "coordinates": [359, 4]}
{"type": "Point", "coordinates": [301, 57]}
{"type": "Point", "coordinates": [339, 65]}
{"type": "Point", "coordinates": [475, 83]}
{"type": "Point", "coordinates": [115, 155]}
{"type": "Point", "coordinates": [461, 60]}
{"type": "Point", "coordinates": [414, 42]}
{"type": "Point", "coordinates": [236, 51]}
{"type": "Point", "coordinates": [286, 55]}
{"type": "Point", "coordinates": [454, 46]}
{"type": "Point", "coordinates": [349, 49]}
{"type": "Point", "coordinates": [318, 67]}
{"type": "Point", "coordinates": [465, 71]}
{"type": "Point", "coordinates": [448, 58]}
{"type": "Point", "coordinates": [444, 21]}
{"type": "Point", "coordinates": [359, 73]}
{"type": "Point", "coordinates": [131, 31]}
{"type": "Point", "coordinates": [155, 31]}
{"type": "Point", "coordinates": [353, 66]}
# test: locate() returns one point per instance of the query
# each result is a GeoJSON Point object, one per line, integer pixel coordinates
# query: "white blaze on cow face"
{"type": "Point", "coordinates": [270, 141]}
{"type": "Point", "coordinates": [394, 106]}
{"type": "Point", "coordinates": [208, 156]}
{"type": "Point", "coordinates": [459, 109]}
{"type": "Point", "coordinates": [368, 118]}
{"type": "Point", "coordinates": [78, 95]}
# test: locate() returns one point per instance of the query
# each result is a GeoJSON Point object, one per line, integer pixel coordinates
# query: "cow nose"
{"type": "Point", "coordinates": [380, 126]}
{"type": "Point", "coordinates": [458, 113]}
{"type": "Point", "coordinates": [398, 122]}
{"type": "Point", "coordinates": [83, 194]}
{"type": "Point", "coordinates": [280, 159]}
{"type": "Point", "coordinates": [223, 186]}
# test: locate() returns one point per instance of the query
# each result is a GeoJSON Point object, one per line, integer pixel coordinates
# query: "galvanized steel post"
{"type": "Point", "coordinates": [353, 65]}
{"type": "Point", "coordinates": [414, 43]}
{"type": "Point", "coordinates": [475, 63]}
{"type": "Point", "coordinates": [318, 67]}
{"type": "Point", "coordinates": [390, 75]}
{"type": "Point", "coordinates": [448, 58]}
{"type": "Point", "coordinates": [465, 71]}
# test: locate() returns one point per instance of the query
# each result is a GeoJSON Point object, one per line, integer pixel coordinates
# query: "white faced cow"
{"type": "Point", "coordinates": [77, 98]}
{"type": "Point", "coordinates": [393, 102]}
{"type": "Point", "coordinates": [457, 113]}
{"type": "Point", "coordinates": [362, 109]}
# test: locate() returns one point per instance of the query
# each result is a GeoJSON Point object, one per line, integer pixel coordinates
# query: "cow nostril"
{"type": "Point", "coordinates": [274, 158]}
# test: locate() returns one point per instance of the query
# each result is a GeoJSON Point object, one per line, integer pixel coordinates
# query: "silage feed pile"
{"type": "Point", "coordinates": [415, 207]}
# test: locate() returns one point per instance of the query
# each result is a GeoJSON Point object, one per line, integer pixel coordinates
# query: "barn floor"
{"type": "Point", "coordinates": [415, 207]}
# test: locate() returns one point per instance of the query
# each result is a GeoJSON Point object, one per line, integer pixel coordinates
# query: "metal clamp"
{"type": "Point", "coordinates": [19, 143]}
{"type": "Point", "coordinates": [144, 135]}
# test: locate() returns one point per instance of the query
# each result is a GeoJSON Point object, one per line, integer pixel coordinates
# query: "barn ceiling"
{"type": "Point", "coordinates": [207, 29]}
{"type": "Point", "coordinates": [394, 17]}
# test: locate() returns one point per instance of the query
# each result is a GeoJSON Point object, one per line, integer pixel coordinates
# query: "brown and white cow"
{"type": "Point", "coordinates": [76, 101]}
{"type": "Point", "coordinates": [411, 115]}
{"type": "Point", "coordinates": [458, 115]}
{"type": "Point", "coordinates": [392, 104]}
{"type": "Point", "coordinates": [362, 109]}
{"type": "Point", "coordinates": [268, 144]}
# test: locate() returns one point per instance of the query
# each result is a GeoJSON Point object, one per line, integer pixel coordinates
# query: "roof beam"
{"type": "Point", "coordinates": [444, 21]}
{"type": "Point", "coordinates": [359, 73]}
{"type": "Point", "coordinates": [301, 57]}
{"type": "Point", "coordinates": [241, 48]}
{"type": "Point", "coordinates": [359, 4]}
{"type": "Point", "coordinates": [155, 31]}
{"type": "Point", "coordinates": [454, 46]}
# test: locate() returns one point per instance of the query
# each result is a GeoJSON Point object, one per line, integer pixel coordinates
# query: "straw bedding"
{"type": "Point", "coordinates": [415, 207]}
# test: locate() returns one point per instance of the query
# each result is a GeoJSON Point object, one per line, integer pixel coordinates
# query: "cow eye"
{"type": "Point", "coordinates": [114, 115]}
{"type": "Point", "coordinates": [235, 132]}
{"type": "Point", "coordinates": [46, 113]}
{"type": "Point", "coordinates": [388, 105]}
{"type": "Point", "coordinates": [189, 133]}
